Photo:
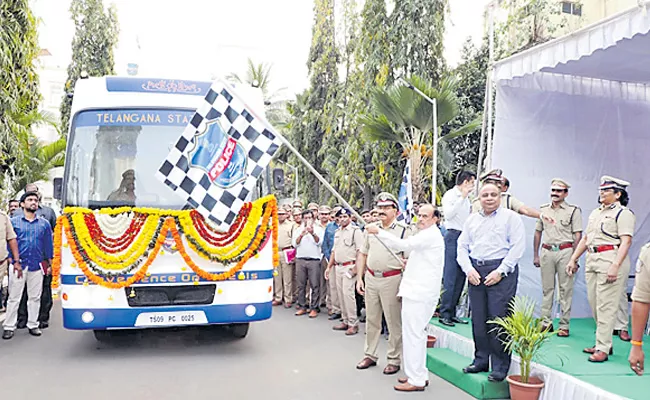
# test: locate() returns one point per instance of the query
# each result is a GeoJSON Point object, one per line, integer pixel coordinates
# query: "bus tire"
{"type": "Point", "coordinates": [239, 330]}
{"type": "Point", "coordinates": [102, 336]}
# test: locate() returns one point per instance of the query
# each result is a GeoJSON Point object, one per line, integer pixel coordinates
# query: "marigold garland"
{"type": "Point", "coordinates": [100, 255]}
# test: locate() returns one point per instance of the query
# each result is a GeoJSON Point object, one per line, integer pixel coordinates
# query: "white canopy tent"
{"type": "Point", "coordinates": [577, 107]}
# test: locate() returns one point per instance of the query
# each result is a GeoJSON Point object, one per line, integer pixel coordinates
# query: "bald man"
{"type": "Point", "coordinates": [419, 290]}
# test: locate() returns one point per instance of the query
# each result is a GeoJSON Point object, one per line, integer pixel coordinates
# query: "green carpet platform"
{"type": "Point", "coordinates": [563, 366]}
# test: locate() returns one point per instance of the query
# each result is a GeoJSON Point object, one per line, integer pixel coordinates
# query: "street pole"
{"type": "Point", "coordinates": [434, 117]}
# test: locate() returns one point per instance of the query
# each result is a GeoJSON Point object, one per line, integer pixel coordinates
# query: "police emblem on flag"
{"type": "Point", "coordinates": [222, 152]}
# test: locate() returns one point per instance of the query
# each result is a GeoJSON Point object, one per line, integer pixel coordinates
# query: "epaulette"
{"type": "Point", "coordinates": [545, 205]}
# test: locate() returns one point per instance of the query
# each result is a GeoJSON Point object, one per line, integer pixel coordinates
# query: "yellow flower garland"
{"type": "Point", "coordinates": [240, 247]}
{"type": "Point", "coordinates": [247, 234]}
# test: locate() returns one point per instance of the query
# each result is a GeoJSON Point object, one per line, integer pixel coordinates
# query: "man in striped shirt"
{"type": "Point", "coordinates": [34, 236]}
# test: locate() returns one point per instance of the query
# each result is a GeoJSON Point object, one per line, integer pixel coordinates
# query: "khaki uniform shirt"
{"type": "Point", "coordinates": [641, 291]}
{"type": "Point", "coordinates": [379, 258]}
{"type": "Point", "coordinates": [568, 220]}
{"type": "Point", "coordinates": [607, 224]}
{"type": "Point", "coordinates": [285, 233]}
{"type": "Point", "coordinates": [6, 233]}
{"type": "Point", "coordinates": [507, 201]}
{"type": "Point", "coordinates": [347, 241]}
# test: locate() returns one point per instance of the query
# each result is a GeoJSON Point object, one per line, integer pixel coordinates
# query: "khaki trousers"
{"type": "Point", "coordinates": [381, 298]}
{"type": "Point", "coordinates": [333, 302]}
{"type": "Point", "coordinates": [604, 298]}
{"type": "Point", "coordinates": [283, 282]}
{"type": "Point", "coordinates": [552, 264]}
{"type": "Point", "coordinates": [34, 281]}
{"type": "Point", "coordinates": [324, 287]}
{"type": "Point", "coordinates": [623, 313]}
{"type": "Point", "coordinates": [346, 288]}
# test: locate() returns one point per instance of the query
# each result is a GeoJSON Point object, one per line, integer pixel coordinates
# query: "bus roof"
{"type": "Point", "coordinates": [134, 92]}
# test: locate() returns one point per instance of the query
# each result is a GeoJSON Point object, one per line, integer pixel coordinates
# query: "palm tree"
{"type": "Point", "coordinates": [259, 76]}
{"type": "Point", "coordinates": [400, 115]}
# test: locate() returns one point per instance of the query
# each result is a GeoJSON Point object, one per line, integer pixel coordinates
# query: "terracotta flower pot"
{"type": "Point", "coordinates": [524, 391]}
{"type": "Point", "coordinates": [431, 341]}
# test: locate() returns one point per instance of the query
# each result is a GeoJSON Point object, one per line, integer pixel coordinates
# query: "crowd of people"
{"type": "Point", "coordinates": [398, 269]}
{"type": "Point", "coordinates": [388, 270]}
{"type": "Point", "coordinates": [25, 266]}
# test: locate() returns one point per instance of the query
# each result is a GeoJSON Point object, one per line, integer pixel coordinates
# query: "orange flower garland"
{"type": "Point", "coordinates": [222, 276]}
{"type": "Point", "coordinates": [56, 260]}
{"type": "Point", "coordinates": [142, 272]}
{"type": "Point", "coordinates": [268, 220]}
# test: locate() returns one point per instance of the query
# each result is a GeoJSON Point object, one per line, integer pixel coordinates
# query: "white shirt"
{"type": "Point", "coordinates": [500, 235]}
{"type": "Point", "coordinates": [308, 248]}
{"type": "Point", "coordinates": [455, 208]}
{"type": "Point", "coordinates": [423, 273]}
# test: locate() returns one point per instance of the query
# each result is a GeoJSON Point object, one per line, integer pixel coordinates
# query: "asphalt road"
{"type": "Point", "coordinates": [285, 358]}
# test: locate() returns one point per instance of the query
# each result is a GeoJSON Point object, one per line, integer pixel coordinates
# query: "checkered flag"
{"type": "Point", "coordinates": [217, 160]}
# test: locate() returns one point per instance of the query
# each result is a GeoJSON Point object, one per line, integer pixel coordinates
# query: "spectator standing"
{"type": "Point", "coordinates": [307, 241]}
{"type": "Point", "coordinates": [35, 249]}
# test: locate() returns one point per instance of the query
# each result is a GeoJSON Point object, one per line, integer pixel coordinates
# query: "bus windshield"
{"type": "Point", "coordinates": [114, 155]}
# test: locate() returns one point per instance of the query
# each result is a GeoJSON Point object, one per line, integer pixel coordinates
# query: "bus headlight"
{"type": "Point", "coordinates": [87, 317]}
{"type": "Point", "coordinates": [250, 310]}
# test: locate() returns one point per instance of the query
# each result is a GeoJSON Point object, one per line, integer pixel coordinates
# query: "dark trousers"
{"type": "Point", "coordinates": [308, 269]}
{"type": "Point", "coordinates": [361, 303]}
{"type": "Point", "coordinates": [453, 278]}
{"type": "Point", "coordinates": [46, 303]}
{"type": "Point", "coordinates": [489, 302]}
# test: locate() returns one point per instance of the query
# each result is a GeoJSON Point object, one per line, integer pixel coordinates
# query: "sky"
{"type": "Point", "coordinates": [198, 39]}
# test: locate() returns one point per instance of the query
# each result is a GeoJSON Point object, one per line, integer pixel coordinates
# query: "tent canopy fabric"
{"type": "Point", "coordinates": [577, 108]}
{"type": "Point", "coordinates": [614, 49]}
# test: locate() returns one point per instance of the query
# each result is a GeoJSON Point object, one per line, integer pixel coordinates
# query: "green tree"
{"type": "Point", "coordinates": [471, 75]}
{"type": "Point", "coordinates": [259, 76]}
{"type": "Point", "coordinates": [416, 37]}
{"type": "Point", "coordinates": [402, 116]}
{"type": "Point", "coordinates": [19, 95]}
{"type": "Point", "coordinates": [96, 34]}
{"type": "Point", "coordinates": [319, 117]}
{"type": "Point", "coordinates": [529, 23]}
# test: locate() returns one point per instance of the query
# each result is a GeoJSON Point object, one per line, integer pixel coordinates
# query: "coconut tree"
{"type": "Point", "coordinates": [399, 114]}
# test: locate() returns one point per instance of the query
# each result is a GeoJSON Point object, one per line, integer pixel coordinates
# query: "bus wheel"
{"type": "Point", "coordinates": [239, 330]}
{"type": "Point", "coordinates": [103, 336]}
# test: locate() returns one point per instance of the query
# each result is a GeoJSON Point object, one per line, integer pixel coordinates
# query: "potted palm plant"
{"type": "Point", "coordinates": [522, 334]}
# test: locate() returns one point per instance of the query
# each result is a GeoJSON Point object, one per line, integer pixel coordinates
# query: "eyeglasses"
{"type": "Point", "coordinates": [559, 190]}
{"type": "Point", "coordinates": [424, 216]}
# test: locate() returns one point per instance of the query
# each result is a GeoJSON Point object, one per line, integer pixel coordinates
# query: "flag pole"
{"type": "Point", "coordinates": [331, 189]}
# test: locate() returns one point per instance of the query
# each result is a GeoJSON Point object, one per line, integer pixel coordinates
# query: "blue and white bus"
{"type": "Point", "coordinates": [127, 125]}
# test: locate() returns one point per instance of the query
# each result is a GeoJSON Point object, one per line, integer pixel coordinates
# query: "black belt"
{"type": "Point", "coordinates": [309, 259]}
{"type": "Point", "coordinates": [453, 230]}
{"type": "Point", "coordinates": [485, 263]}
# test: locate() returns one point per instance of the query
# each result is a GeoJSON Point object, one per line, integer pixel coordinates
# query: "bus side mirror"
{"type": "Point", "coordinates": [278, 179]}
{"type": "Point", "coordinates": [58, 188]}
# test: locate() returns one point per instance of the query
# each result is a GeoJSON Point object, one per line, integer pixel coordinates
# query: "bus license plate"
{"type": "Point", "coordinates": [171, 318]}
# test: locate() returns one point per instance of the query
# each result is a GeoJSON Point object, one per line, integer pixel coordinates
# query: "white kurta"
{"type": "Point", "coordinates": [420, 291]}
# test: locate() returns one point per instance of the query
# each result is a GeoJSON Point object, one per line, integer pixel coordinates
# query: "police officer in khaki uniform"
{"type": "Point", "coordinates": [507, 200]}
{"type": "Point", "coordinates": [607, 240]}
{"type": "Point", "coordinates": [559, 240]}
{"type": "Point", "coordinates": [283, 279]}
{"type": "Point", "coordinates": [348, 240]}
{"type": "Point", "coordinates": [383, 274]}
{"type": "Point", "coordinates": [640, 309]}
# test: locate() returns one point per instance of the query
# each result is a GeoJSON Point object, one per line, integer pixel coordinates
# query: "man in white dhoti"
{"type": "Point", "coordinates": [419, 290]}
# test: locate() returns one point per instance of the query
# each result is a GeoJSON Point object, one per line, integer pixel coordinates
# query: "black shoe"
{"type": "Point", "coordinates": [334, 317]}
{"type": "Point", "coordinates": [6, 335]}
{"type": "Point", "coordinates": [362, 319]}
{"type": "Point", "coordinates": [21, 325]}
{"type": "Point", "coordinates": [496, 376]}
{"type": "Point", "coordinates": [473, 369]}
{"type": "Point", "coordinates": [447, 322]}
{"type": "Point", "coordinates": [43, 325]}
{"type": "Point", "coordinates": [35, 332]}
{"type": "Point", "coordinates": [457, 320]}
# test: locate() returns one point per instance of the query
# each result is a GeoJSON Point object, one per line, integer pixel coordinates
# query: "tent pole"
{"type": "Point", "coordinates": [488, 158]}
{"type": "Point", "coordinates": [481, 149]}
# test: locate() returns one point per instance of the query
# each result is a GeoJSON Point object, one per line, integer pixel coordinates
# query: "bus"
{"type": "Point", "coordinates": [121, 131]}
